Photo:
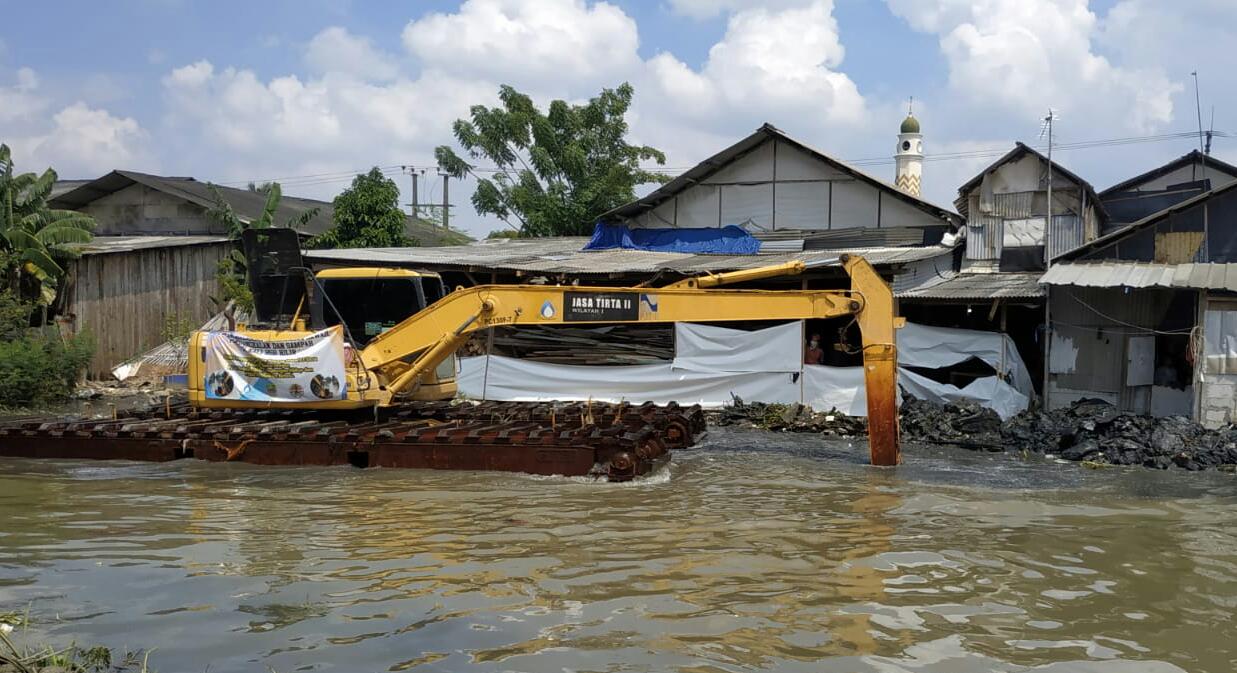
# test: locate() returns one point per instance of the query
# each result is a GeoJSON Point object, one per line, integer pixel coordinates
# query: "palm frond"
{"type": "Point", "coordinates": [35, 194]}
{"type": "Point", "coordinates": [41, 260]}
{"type": "Point", "coordinates": [58, 234]}
{"type": "Point", "coordinates": [223, 213]}
{"type": "Point", "coordinates": [273, 195]}
{"type": "Point", "coordinates": [20, 238]}
{"type": "Point", "coordinates": [304, 218]}
{"type": "Point", "coordinates": [69, 218]}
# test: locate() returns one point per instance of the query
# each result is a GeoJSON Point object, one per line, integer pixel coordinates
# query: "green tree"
{"type": "Point", "coordinates": [556, 171]}
{"type": "Point", "coordinates": [367, 215]}
{"type": "Point", "coordinates": [35, 241]}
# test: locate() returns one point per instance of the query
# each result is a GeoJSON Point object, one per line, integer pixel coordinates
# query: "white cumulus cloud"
{"type": "Point", "coordinates": [781, 66]}
{"type": "Point", "coordinates": [558, 44]}
{"type": "Point", "coordinates": [1027, 55]}
{"type": "Point", "coordinates": [87, 142]}
{"type": "Point", "coordinates": [335, 50]}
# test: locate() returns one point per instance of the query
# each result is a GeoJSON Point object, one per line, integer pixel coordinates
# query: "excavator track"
{"type": "Point", "coordinates": [617, 442]}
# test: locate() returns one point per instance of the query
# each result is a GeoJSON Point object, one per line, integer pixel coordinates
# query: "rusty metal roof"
{"type": "Point", "coordinates": [1019, 285]}
{"type": "Point", "coordinates": [564, 255]}
{"type": "Point", "coordinates": [1143, 274]}
{"type": "Point", "coordinates": [102, 245]}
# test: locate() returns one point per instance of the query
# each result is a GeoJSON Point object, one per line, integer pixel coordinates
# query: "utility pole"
{"type": "Point", "coordinates": [412, 205]}
{"type": "Point", "coordinates": [446, 203]}
{"type": "Point", "coordinates": [1048, 220]}
{"type": "Point", "coordinates": [415, 201]}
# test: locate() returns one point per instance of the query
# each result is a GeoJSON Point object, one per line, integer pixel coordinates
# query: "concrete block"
{"type": "Point", "coordinates": [1215, 417]}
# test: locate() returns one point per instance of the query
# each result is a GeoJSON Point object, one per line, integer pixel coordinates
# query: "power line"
{"type": "Point", "coordinates": [983, 153]}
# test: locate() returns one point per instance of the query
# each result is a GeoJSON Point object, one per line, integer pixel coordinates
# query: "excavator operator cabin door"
{"type": "Point", "coordinates": [366, 304]}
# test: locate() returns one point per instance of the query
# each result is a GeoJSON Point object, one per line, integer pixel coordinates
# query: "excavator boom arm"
{"type": "Point", "coordinates": [439, 330]}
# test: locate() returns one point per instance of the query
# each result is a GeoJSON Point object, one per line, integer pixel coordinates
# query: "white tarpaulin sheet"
{"type": "Point", "coordinates": [733, 356]}
{"type": "Point", "coordinates": [840, 388]}
{"type": "Point", "coordinates": [989, 391]}
{"type": "Point", "coordinates": [937, 347]}
{"type": "Point", "coordinates": [518, 380]}
{"type": "Point", "coordinates": [704, 348]}
{"type": "Point", "coordinates": [308, 369]}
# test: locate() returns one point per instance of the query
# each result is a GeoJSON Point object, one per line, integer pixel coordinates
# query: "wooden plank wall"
{"type": "Point", "coordinates": [124, 298]}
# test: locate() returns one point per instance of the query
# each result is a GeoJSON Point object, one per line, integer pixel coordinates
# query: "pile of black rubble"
{"type": "Point", "coordinates": [1089, 430]}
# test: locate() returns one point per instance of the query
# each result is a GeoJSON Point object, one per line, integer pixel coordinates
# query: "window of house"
{"type": "Point", "coordinates": [1220, 337]}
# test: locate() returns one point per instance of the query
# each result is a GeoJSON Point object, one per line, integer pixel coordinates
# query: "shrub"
{"type": "Point", "coordinates": [37, 365]}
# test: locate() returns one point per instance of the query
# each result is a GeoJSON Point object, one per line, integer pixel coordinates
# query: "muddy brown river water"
{"type": "Point", "coordinates": [752, 552]}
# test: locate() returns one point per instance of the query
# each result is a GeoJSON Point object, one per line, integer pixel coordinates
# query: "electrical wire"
{"type": "Point", "coordinates": [1143, 330]}
{"type": "Point", "coordinates": [983, 153]}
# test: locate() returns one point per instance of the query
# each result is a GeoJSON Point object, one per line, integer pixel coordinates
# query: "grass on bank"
{"type": "Point", "coordinates": [16, 658]}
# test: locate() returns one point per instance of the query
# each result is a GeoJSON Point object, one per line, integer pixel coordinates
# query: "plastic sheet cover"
{"type": "Point", "coordinates": [516, 380]}
{"type": "Point", "coordinates": [714, 364]}
{"type": "Point", "coordinates": [705, 348]}
{"type": "Point", "coordinates": [728, 240]}
{"type": "Point", "coordinates": [938, 347]}
{"type": "Point", "coordinates": [989, 391]}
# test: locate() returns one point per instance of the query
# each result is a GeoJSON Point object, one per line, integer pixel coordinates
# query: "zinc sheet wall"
{"type": "Point", "coordinates": [1077, 323]}
{"type": "Point", "coordinates": [1064, 234]}
{"type": "Point", "coordinates": [124, 298]}
{"type": "Point", "coordinates": [984, 234]}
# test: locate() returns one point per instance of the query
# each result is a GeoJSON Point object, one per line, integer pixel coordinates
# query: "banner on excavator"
{"type": "Point", "coordinates": [306, 369]}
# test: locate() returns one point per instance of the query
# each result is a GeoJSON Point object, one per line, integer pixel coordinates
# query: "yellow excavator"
{"type": "Point", "coordinates": [399, 329]}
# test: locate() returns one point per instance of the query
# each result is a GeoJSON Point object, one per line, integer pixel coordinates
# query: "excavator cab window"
{"type": "Point", "coordinates": [369, 306]}
{"type": "Point", "coordinates": [434, 289]}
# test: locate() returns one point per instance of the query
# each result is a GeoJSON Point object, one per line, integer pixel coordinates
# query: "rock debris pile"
{"type": "Point", "coordinates": [1090, 431]}
{"type": "Point", "coordinates": [789, 418]}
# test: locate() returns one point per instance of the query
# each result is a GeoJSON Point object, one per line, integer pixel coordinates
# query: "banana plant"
{"type": "Point", "coordinates": [38, 240]}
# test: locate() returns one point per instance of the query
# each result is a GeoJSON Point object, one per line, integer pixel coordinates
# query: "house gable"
{"type": "Point", "coordinates": [1200, 229]}
{"type": "Point", "coordinates": [140, 210]}
{"type": "Point", "coordinates": [768, 182]}
{"type": "Point", "coordinates": [1165, 186]}
{"type": "Point", "coordinates": [1007, 211]}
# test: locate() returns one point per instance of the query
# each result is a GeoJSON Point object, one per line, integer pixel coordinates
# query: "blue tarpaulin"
{"type": "Point", "coordinates": [728, 240]}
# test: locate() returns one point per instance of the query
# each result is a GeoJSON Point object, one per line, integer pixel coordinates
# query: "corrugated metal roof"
{"type": "Point", "coordinates": [247, 204]}
{"type": "Point", "coordinates": [1019, 285]}
{"type": "Point", "coordinates": [1142, 274]}
{"type": "Point", "coordinates": [564, 255]}
{"type": "Point", "coordinates": [102, 245]}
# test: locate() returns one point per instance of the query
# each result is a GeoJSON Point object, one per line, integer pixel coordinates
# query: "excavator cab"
{"type": "Point", "coordinates": [370, 301]}
{"type": "Point", "coordinates": [291, 304]}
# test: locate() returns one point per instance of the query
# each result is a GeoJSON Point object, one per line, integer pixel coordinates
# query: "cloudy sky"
{"type": "Point", "coordinates": [310, 91]}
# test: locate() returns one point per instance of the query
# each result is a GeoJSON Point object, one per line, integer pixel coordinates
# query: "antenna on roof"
{"type": "Point", "coordinates": [1199, 109]}
{"type": "Point", "coordinates": [1047, 128]}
